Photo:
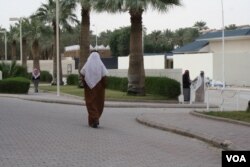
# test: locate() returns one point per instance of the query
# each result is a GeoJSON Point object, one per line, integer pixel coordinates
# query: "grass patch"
{"type": "Point", "coordinates": [109, 94]}
{"type": "Point", "coordinates": [235, 115]}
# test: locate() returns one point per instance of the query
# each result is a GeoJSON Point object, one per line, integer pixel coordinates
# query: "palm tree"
{"type": "Point", "coordinates": [85, 27]}
{"type": "Point", "coordinates": [13, 36]}
{"type": "Point", "coordinates": [25, 33]}
{"type": "Point", "coordinates": [2, 43]}
{"type": "Point", "coordinates": [231, 27]}
{"type": "Point", "coordinates": [201, 25]}
{"type": "Point", "coordinates": [47, 13]}
{"type": "Point", "coordinates": [36, 29]}
{"type": "Point", "coordinates": [47, 43]}
{"type": "Point", "coordinates": [136, 72]}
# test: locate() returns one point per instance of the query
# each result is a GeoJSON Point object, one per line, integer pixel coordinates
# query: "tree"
{"type": "Point", "coordinates": [159, 42]}
{"type": "Point", "coordinates": [47, 13]}
{"type": "Point", "coordinates": [184, 36]}
{"type": "Point", "coordinates": [25, 33]}
{"type": "Point", "coordinates": [119, 42]}
{"type": "Point", "coordinates": [36, 31]}
{"type": "Point", "coordinates": [200, 25]}
{"type": "Point", "coordinates": [104, 37]}
{"type": "Point", "coordinates": [85, 32]}
{"type": "Point", "coordinates": [231, 27]}
{"type": "Point", "coordinates": [2, 44]}
{"type": "Point", "coordinates": [13, 37]}
{"type": "Point", "coordinates": [136, 72]}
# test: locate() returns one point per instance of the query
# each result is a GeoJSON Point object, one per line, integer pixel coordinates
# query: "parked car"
{"type": "Point", "coordinates": [215, 84]}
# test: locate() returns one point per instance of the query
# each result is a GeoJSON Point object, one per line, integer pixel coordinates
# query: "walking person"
{"type": "Point", "coordinates": [93, 75]}
{"type": "Point", "coordinates": [36, 78]}
{"type": "Point", "coordinates": [186, 85]}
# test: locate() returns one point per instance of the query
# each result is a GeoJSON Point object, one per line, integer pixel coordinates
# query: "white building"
{"type": "Point", "coordinates": [206, 54]}
{"type": "Point", "coordinates": [151, 61]}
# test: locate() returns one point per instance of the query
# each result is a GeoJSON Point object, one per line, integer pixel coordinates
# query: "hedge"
{"type": "Point", "coordinates": [117, 83]}
{"type": "Point", "coordinates": [72, 79]}
{"type": "Point", "coordinates": [162, 86]}
{"type": "Point", "coordinates": [154, 85]}
{"type": "Point", "coordinates": [18, 85]}
{"type": "Point", "coordinates": [45, 76]}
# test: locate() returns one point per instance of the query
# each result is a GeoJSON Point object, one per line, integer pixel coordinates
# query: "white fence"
{"type": "Point", "coordinates": [228, 98]}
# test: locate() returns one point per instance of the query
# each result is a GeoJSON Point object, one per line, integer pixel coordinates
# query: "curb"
{"type": "Point", "coordinates": [111, 104]}
{"type": "Point", "coordinates": [219, 143]}
{"type": "Point", "coordinates": [198, 114]}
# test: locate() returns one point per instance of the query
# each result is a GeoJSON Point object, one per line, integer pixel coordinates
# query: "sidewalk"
{"type": "Point", "coordinates": [225, 135]}
{"type": "Point", "coordinates": [229, 136]}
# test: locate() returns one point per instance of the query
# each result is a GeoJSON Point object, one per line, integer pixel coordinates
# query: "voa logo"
{"type": "Point", "coordinates": [236, 158]}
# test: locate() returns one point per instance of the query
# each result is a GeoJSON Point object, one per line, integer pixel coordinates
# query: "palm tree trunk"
{"type": "Point", "coordinates": [54, 82]}
{"type": "Point", "coordinates": [13, 50]}
{"type": "Point", "coordinates": [24, 60]}
{"type": "Point", "coordinates": [84, 40]}
{"type": "Point", "coordinates": [35, 53]}
{"type": "Point", "coordinates": [136, 72]}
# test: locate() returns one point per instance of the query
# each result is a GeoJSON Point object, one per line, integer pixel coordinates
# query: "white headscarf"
{"type": "Point", "coordinates": [36, 73]}
{"type": "Point", "coordinates": [200, 81]}
{"type": "Point", "coordinates": [93, 70]}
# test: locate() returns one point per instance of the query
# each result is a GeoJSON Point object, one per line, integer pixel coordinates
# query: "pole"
{"type": "Point", "coordinates": [5, 41]}
{"type": "Point", "coordinates": [21, 43]}
{"type": "Point", "coordinates": [96, 41]}
{"type": "Point", "coordinates": [96, 37]}
{"type": "Point", "coordinates": [57, 47]}
{"type": "Point", "coordinates": [223, 46]}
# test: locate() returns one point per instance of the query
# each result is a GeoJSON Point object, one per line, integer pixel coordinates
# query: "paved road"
{"type": "Point", "coordinates": [34, 134]}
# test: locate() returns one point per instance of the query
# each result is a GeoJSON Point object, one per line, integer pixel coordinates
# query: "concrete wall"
{"type": "Point", "coordinates": [237, 62]}
{"type": "Point", "coordinates": [175, 74]}
{"type": "Point", "coordinates": [47, 65]}
{"type": "Point", "coordinates": [150, 62]}
{"type": "Point", "coordinates": [195, 63]}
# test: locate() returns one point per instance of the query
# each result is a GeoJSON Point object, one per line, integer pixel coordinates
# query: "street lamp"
{"type": "Point", "coordinates": [95, 35]}
{"type": "Point", "coordinates": [223, 45]}
{"type": "Point", "coordinates": [21, 43]}
{"type": "Point", "coordinates": [57, 47]}
{"type": "Point", "coordinates": [5, 41]}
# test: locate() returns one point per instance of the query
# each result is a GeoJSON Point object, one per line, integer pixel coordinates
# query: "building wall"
{"type": "Point", "coordinates": [47, 65]}
{"type": "Point", "coordinates": [150, 62]}
{"type": "Point", "coordinates": [195, 63]}
{"type": "Point", "coordinates": [236, 62]}
{"type": "Point", "coordinates": [175, 74]}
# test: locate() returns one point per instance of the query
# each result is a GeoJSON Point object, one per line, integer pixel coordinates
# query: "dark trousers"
{"type": "Point", "coordinates": [186, 93]}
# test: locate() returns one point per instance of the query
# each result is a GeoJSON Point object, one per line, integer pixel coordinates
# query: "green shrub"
{"type": "Point", "coordinates": [162, 86]}
{"type": "Point", "coordinates": [18, 85]}
{"type": "Point", "coordinates": [72, 79]}
{"type": "Point", "coordinates": [248, 107]}
{"type": "Point", "coordinates": [45, 76]}
{"type": "Point", "coordinates": [154, 85]}
{"type": "Point", "coordinates": [116, 83]}
{"type": "Point", "coordinates": [13, 70]}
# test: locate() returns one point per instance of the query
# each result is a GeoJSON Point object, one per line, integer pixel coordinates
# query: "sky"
{"type": "Point", "coordinates": [191, 11]}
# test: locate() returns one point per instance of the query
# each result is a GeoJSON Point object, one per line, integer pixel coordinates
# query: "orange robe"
{"type": "Point", "coordinates": [94, 99]}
